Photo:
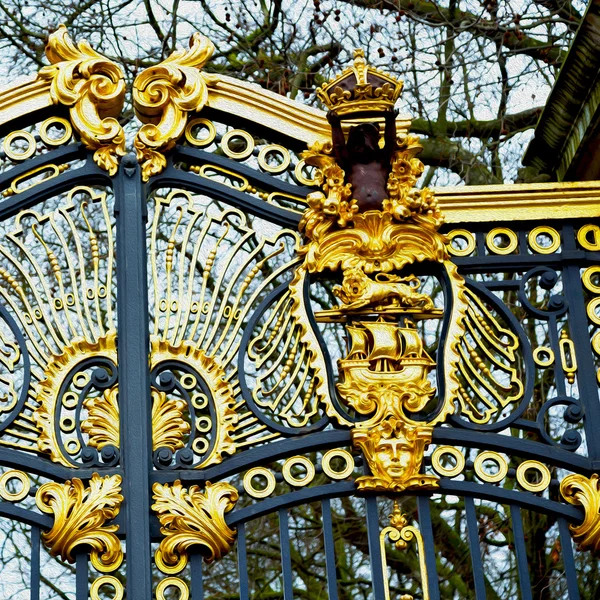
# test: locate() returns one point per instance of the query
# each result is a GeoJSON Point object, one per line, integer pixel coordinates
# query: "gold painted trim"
{"type": "Point", "coordinates": [249, 485]}
{"type": "Point", "coordinates": [551, 233]}
{"type": "Point", "coordinates": [167, 582]}
{"type": "Point", "coordinates": [337, 453]}
{"type": "Point", "coordinates": [106, 580]}
{"type": "Point", "coordinates": [436, 462]}
{"type": "Point", "coordinates": [543, 362]}
{"type": "Point", "coordinates": [533, 465]}
{"type": "Point", "coordinates": [14, 496]}
{"type": "Point", "coordinates": [584, 491]}
{"type": "Point", "coordinates": [292, 479]}
{"type": "Point", "coordinates": [495, 457]}
{"type": "Point", "coordinates": [519, 202]}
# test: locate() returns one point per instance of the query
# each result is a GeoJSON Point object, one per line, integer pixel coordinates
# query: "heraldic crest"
{"type": "Point", "coordinates": [369, 226]}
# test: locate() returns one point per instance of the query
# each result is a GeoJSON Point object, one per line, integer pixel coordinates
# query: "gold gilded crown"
{"type": "Point", "coordinates": [360, 88]}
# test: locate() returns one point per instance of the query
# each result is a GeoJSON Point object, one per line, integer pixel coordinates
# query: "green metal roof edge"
{"type": "Point", "coordinates": [572, 104]}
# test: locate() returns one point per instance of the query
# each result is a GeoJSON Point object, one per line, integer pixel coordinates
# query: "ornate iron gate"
{"type": "Point", "coordinates": [225, 375]}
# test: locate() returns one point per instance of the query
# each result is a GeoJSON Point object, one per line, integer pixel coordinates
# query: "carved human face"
{"type": "Point", "coordinates": [394, 456]}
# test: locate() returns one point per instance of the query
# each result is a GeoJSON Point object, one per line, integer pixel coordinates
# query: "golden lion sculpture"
{"type": "Point", "coordinates": [387, 290]}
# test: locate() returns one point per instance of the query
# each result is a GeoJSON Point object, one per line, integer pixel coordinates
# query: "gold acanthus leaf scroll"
{"type": "Point", "coordinates": [80, 516]}
{"type": "Point", "coordinates": [584, 491]}
{"type": "Point", "coordinates": [162, 97]}
{"type": "Point", "coordinates": [189, 518]}
{"type": "Point", "coordinates": [93, 87]}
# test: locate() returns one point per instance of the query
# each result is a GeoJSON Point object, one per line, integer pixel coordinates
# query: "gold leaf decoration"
{"type": "Point", "coordinates": [162, 97]}
{"type": "Point", "coordinates": [102, 424]}
{"type": "Point", "coordinates": [80, 516]}
{"type": "Point", "coordinates": [584, 491]}
{"type": "Point", "coordinates": [168, 425]}
{"type": "Point", "coordinates": [46, 392]}
{"type": "Point", "coordinates": [93, 87]}
{"type": "Point", "coordinates": [192, 518]}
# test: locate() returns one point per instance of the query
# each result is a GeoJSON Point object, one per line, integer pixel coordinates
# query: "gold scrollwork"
{"type": "Point", "coordinates": [401, 533]}
{"type": "Point", "coordinates": [13, 475]}
{"type": "Point", "coordinates": [455, 453]}
{"type": "Point", "coordinates": [568, 358]}
{"type": "Point", "coordinates": [495, 247]}
{"type": "Point", "coordinates": [497, 459]}
{"type": "Point", "coordinates": [93, 88]}
{"type": "Point", "coordinates": [294, 480]}
{"type": "Point", "coordinates": [344, 455]}
{"type": "Point", "coordinates": [536, 232]}
{"type": "Point", "coordinates": [584, 491]}
{"type": "Point", "coordinates": [102, 424]}
{"type": "Point", "coordinates": [175, 582]}
{"type": "Point", "coordinates": [251, 488]}
{"type": "Point", "coordinates": [467, 237]}
{"type": "Point", "coordinates": [80, 516]}
{"type": "Point", "coordinates": [592, 310]}
{"type": "Point", "coordinates": [543, 356]}
{"type": "Point", "coordinates": [192, 518]}
{"type": "Point", "coordinates": [163, 95]}
{"type": "Point", "coordinates": [109, 580]}
{"type": "Point", "coordinates": [542, 470]}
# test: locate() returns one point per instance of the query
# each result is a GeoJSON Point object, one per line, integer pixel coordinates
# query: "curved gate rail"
{"type": "Point", "coordinates": [221, 377]}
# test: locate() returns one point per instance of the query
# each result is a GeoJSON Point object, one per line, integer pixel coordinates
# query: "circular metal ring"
{"type": "Point", "coordinates": [249, 485]}
{"type": "Point", "coordinates": [200, 143]}
{"type": "Point", "coordinates": [200, 445]}
{"type": "Point", "coordinates": [298, 481]}
{"type": "Point", "coordinates": [544, 230]}
{"type": "Point", "coordinates": [72, 446]}
{"type": "Point", "coordinates": [16, 135]}
{"type": "Point", "coordinates": [203, 424]}
{"type": "Point", "coordinates": [538, 356]}
{"type": "Point", "coordinates": [14, 496]}
{"type": "Point", "coordinates": [436, 461]}
{"type": "Point", "coordinates": [465, 235]}
{"type": "Point", "coordinates": [188, 381]}
{"type": "Point", "coordinates": [264, 153]}
{"type": "Point", "coordinates": [494, 457]}
{"type": "Point", "coordinates": [67, 424]}
{"type": "Point", "coordinates": [596, 343]}
{"type": "Point", "coordinates": [81, 380]}
{"type": "Point", "coordinates": [63, 139]}
{"type": "Point", "coordinates": [106, 580]}
{"type": "Point", "coordinates": [587, 279]}
{"type": "Point", "coordinates": [300, 175]}
{"type": "Point", "coordinates": [513, 241]}
{"type": "Point", "coordinates": [199, 400]}
{"type": "Point", "coordinates": [184, 592]}
{"type": "Point", "coordinates": [246, 152]}
{"type": "Point", "coordinates": [70, 400]}
{"type": "Point", "coordinates": [336, 453]}
{"type": "Point", "coordinates": [533, 465]}
{"type": "Point", "coordinates": [591, 310]}
{"type": "Point", "coordinates": [584, 242]}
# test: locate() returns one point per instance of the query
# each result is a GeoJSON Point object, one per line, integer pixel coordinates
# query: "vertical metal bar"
{"type": "Point", "coordinates": [578, 327]}
{"type": "Point", "coordinates": [373, 531]}
{"type": "Point", "coordinates": [568, 559]}
{"type": "Point", "coordinates": [429, 542]}
{"type": "Point", "coordinates": [475, 548]}
{"type": "Point", "coordinates": [196, 576]}
{"type": "Point", "coordinates": [134, 376]}
{"type": "Point", "coordinates": [329, 550]}
{"type": "Point", "coordinates": [35, 564]}
{"type": "Point", "coordinates": [521, 551]}
{"type": "Point", "coordinates": [286, 559]}
{"type": "Point", "coordinates": [81, 576]}
{"type": "Point", "coordinates": [242, 562]}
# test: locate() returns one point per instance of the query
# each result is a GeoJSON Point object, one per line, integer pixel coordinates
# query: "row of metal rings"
{"type": "Point", "coordinates": [500, 463]}
{"type": "Point", "coordinates": [31, 147]}
{"type": "Point", "coordinates": [289, 477]}
{"type": "Point", "coordinates": [491, 240]}
{"type": "Point", "coordinates": [263, 156]}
